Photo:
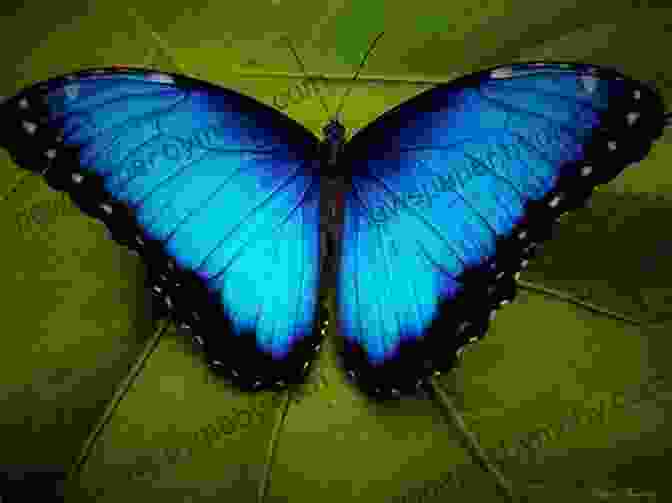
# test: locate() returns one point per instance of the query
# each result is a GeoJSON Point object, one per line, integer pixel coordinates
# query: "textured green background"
{"type": "Point", "coordinates": [570, 401]}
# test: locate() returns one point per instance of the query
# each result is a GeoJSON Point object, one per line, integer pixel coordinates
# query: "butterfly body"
{"type": "Point", "coordinates": [333, 144]}
{"type": "Point", "coordinates": [428, 213]}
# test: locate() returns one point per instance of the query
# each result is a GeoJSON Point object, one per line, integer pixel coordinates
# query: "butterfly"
{"type": "Point", "coordinates": [444, 199]}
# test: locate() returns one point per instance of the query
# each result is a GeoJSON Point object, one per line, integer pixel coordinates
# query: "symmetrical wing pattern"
{"type": "Point", "coordinates": [450, 193]}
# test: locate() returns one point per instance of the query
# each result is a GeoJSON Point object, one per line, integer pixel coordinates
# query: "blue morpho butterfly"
{"type": "Point", "coordinates": [445, 198]}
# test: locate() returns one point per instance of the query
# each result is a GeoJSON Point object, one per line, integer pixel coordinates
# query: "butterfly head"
{"type": "Point", "coordinates": [334, 131]}
{"type": "Point", "coordinates": [334, 140]}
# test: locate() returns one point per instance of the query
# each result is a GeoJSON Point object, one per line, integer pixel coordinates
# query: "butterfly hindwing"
{"type": "Point", "coordinates": [218, 193]}
{"type": "Point", "coordinates": [452, 191]}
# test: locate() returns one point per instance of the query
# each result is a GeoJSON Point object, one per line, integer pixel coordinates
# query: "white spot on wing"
{"type": "Point", "coordinates": [611, 145]}
{"type": "Point", "coordinates": [161, 78]}
{"type": "Point", "coordinates": [502, 73]}
{"type": "Point", "coordinates": [637, 94]}
{"type": "Point", "coordinates": [51, 153]}
{"type": "Point", "coordinates": [632, 117]}
{"type": "Point", "coordinates": [29, 127]}
{"type": "Point", "coordinates": [589, 83]}
{"type": "Point", "coordinates": [71, 91]}
{"type": "Point", "coordinates": [554, 202]}
{"type": "Point", "coordinates": [586, 170]}
{"type": "Point", "coordinates": [77, 178]}
{"type": "Point", "coordinates": [23, 103]}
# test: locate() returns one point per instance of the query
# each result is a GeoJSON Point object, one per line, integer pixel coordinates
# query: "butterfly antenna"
{"type": "Point", "coordinates": [303, 70]}
{"type": "Point", "coordinates": [361, 66]}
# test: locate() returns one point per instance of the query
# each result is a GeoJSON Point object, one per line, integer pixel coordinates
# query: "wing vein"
{"type": "Point", "coordinates": [282, 223]}
{"type": "Point", "coordinates": [421, 217]}
{"type": "Point", "coordinates": [561, 124]}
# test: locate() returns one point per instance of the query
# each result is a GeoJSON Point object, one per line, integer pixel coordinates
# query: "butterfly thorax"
{"type": "Point", "coordinates": [333, 143]}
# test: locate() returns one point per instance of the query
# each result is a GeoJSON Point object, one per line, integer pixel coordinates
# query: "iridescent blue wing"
{"type": "Point", "coordinates": [216, 191]}
{"type": "Point", "coordinates": [451, 192]}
